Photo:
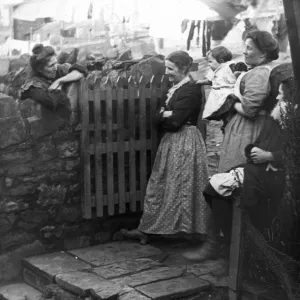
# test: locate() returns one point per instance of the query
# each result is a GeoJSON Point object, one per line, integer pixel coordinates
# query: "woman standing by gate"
{"type": "Point", "coordinates": [174, 202]}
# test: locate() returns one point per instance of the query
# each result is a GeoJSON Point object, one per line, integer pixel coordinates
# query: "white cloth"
{"type": "Point", "coordinates": [176, 87]}
{"type": "Point", "coordinates": [223, 82]}
{"type": "Point", "coordinates": [279, 111]}
{"type": "Point", "coordinates": [225, 183]}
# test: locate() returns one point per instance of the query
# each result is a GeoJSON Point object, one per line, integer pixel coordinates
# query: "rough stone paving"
{"type": "Point", "coordinates": [122, 270]}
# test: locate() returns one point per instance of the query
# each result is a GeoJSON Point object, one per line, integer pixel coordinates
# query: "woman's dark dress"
{"type": "Point", "coordinates": [262, 188]}
{"type": "Point", "coordinates": [174, 201]}
{"type": "Point", "coordinates": [36, 87]}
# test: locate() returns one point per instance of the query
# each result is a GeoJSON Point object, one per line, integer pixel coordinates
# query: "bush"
{"type": "Point", "coordinates": [290, 212]}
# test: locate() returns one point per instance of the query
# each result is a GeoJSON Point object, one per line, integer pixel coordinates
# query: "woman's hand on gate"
{"type": "Point", "coordinates": [56, 85]}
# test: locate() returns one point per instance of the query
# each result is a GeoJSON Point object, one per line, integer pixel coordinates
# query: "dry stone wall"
{"type": "Point", "coordinates": [40, 204]}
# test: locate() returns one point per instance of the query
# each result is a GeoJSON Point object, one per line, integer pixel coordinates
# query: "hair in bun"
{"type": "Point", "coordinates": [265, 42]}
{"type": "Point", "coordinates": [37, 49]}
{"type": "Point", "coordinates": [181, 59]}
{"type": "Point", "coordinates": [40, 56]}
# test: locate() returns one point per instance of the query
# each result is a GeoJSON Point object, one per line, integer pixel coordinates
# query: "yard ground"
{"type": "Point", "coordinates": [122, 270]}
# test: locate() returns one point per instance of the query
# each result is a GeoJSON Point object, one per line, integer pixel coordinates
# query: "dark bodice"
{"type": "Point", "coordinates": [36, 88]}
{"type": "Point", "coordinates": [272, 138]}
{"type": "Point", "coordinates": [185, 105]}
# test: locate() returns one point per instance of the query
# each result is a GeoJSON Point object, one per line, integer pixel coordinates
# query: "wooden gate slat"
{"type": "Point", "coordinates": [132, 165]}
{"type": "Point", "coordinates": [143, 141]}
{"type": "Point", "coordinates": [121, 158]}
{"type": "Point", "coordinates": [103, 147]}
{"type": "Point", "coordinates": [85, 154]}
{"type": "Point", "coordinates": [108, 191]}
{"type": "Point", "coordinates": [109, 154]}
{"type": "Point", "coordinates": [164, 85]}
{"type": "Point", "coordinates": [153, 109]}
{"type": "Point", "coordinates": [97, 149]}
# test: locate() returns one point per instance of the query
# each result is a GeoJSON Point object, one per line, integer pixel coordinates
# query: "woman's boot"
{"type": "Point", "coordinates": [135, 234]}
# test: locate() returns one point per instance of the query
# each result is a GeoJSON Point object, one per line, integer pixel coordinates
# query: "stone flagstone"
{"type": "Point", "coordinates": [109, 253]}
{"type": "Point", "coordinates": [216, 281]}
{"type": "Point", "coordinates": [36, 280]}
{"type": "Point", "coordinates": [173, 288]}
{"type": "Point", "coordinates": [149, 276]}
{"type": "Point", "coordinates": [85, 283]}
{"type": "Point", "coordinates": [19, 291]}
{"type": "Point", "coordinates": [55, 292]}
{"type": "Point", "coordinates": [133, 296]}
{"type": "Point", "coordinates": [126, 267]}
{"type": "Point", "coordinates": [160, 257]}
{"type": "Point", "coordinates": [49, 265]}
{"type": "Point", "coordinates": [176, 259]}
{"type": "Point", "coordinates": [207, 267]}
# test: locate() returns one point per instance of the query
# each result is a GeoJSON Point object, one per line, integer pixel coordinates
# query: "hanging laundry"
{"type": "Point", "coordinates": [208, 35]}
{"type": "Point", "coordinates": [204, 49]}
{"type": "Point", "coordinates": [191, 35]}
{"type": "Point", "coordinates": [90, 11]}
{"type": "Point", "coordinates": [198, 33]}
{"type": "Point", "coordinates": [184, 25]}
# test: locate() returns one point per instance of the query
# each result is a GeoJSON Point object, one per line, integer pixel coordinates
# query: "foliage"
{"type": "Point", "coordinates": [290, 209]}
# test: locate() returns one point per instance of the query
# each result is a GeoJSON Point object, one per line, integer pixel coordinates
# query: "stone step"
{"type": "Point", "coordinates": [174, 288]}
{"type": "Point", "coordinates": [19, 291]}
{"type": "Point", "coordinates": [41, 270]}
{"type": "Point", "coordinates": [120, 270]}
{"type": "Point", "coordinates": [115, 252]}
{"type": "Point", "coordinates": [108, 260]}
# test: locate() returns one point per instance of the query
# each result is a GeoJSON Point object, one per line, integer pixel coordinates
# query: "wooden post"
{"type": "Point", "coordinates": [97, 148]}
{"type": "Point", "coordinates": [292, 16]}
{"type": "Point", "coordinates": [142, 138]}
{"type": "Point", "coordinates": [235, 249]}
{"type": "Point", "coordinates": [132, 134]}
{"type": "Point", "coordinates": [85, 153]}
{"type": "Point", "coordinates": [121, 145]}
{"type": "Point", "coordinates": [109, 146]}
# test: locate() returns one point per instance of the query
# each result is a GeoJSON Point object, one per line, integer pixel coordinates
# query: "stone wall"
{"type": "Point", "coordinates": [40, 205]}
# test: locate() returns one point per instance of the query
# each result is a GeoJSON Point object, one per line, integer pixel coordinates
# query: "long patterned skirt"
{"type": "Point", "coordinates": [174, 202]}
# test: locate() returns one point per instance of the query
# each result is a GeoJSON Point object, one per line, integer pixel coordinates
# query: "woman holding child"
{"type": "Point", "coordinates": [241, 103]}
{"type": "Point", "coordinates": [250, 129]}
{"type": "Point", "coordinates": [254, 103]}
{"type": "Point", "coordinates": [260, 182]}
{"type": "Point", "coordinates": [174, 202]}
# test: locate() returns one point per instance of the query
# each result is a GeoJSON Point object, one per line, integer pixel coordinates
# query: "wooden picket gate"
{"type": "Point", "coordinates": [118, 143]}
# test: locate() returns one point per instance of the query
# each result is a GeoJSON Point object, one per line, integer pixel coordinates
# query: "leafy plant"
{"type": "Point", "coordinates": [290, 213]}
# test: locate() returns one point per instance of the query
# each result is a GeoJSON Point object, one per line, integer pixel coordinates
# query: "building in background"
{"type": "Point", "coordinates": [117, 22]}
